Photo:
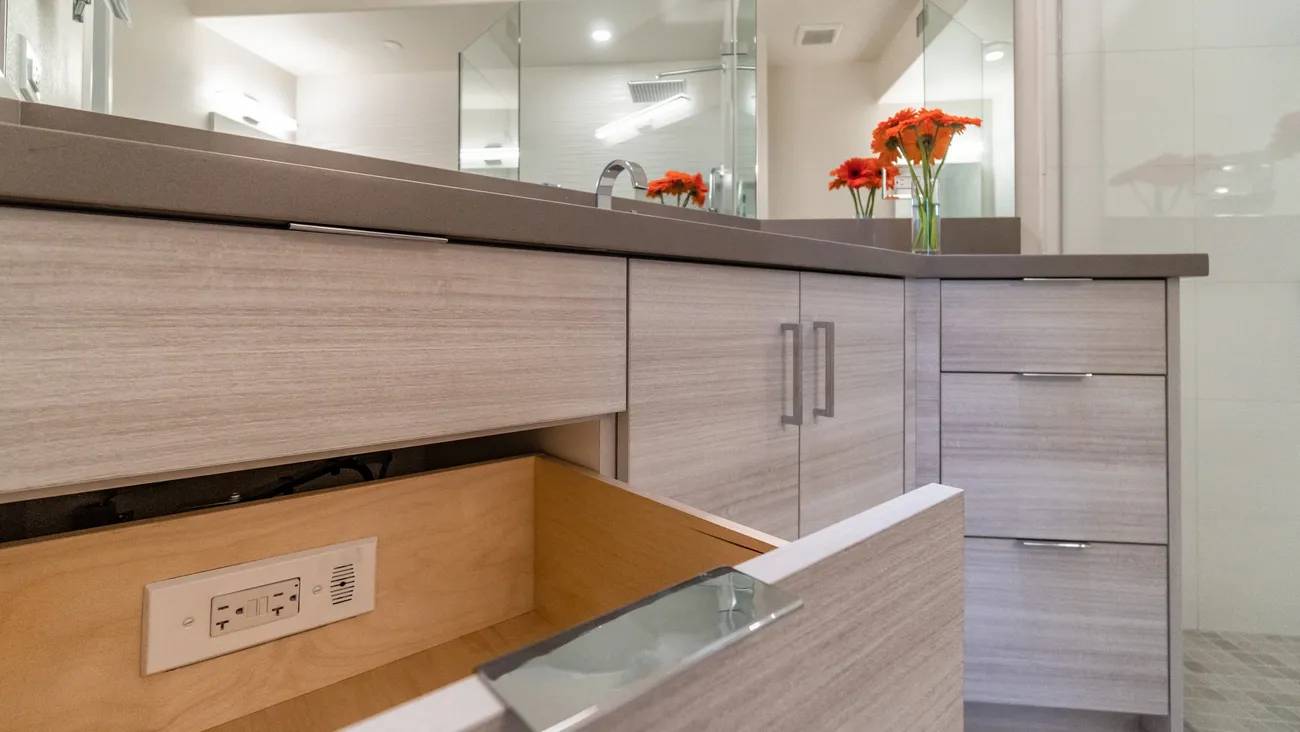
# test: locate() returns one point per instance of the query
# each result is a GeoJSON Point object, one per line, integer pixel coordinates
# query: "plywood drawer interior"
{"type": "Point", "coordinates": [140, 349]}
{"type": "Point", "coordinates": [1058, 458]}
{"type": "Point", "coordinates": [1102, 326]}
{"type": "Point", "coordinates": [473, 562]}
{"type": "Point", "coordinates": [1065, 626]}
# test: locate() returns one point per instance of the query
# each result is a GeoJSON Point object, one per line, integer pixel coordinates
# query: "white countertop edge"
{"type": "Point", "coordinates": [458, 706]}
{"type": "Point", "coordinates": [784, 561]}
{"type": "Point", "coordinates": [468, 702]}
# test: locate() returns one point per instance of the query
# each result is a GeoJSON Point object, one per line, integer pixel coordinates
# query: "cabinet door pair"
{"type": "Point", "coordinates": [773, 398]}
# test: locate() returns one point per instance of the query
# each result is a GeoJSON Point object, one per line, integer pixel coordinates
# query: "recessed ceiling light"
{"type": "Point", "coordinates": [601, 35]}
{"type": "Point", "coordinates": [392, 45]}
{"type": "Point", "coordinates": [996, 51]}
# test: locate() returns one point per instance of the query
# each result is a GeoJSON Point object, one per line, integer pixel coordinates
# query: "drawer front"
{"type": "Point", "coordinates": [1058, 458]}
{"type": "Point", "coordinates": [1060, 627]}
{"type": "Point", "coordinates": [1103, 326]}
{"type": "Point", "coordinates": [136, 347]}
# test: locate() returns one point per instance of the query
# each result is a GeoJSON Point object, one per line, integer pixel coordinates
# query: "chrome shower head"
{"type": "Point", "coordinates": [655, 90]}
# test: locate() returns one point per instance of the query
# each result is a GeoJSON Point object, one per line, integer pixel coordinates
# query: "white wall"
{"type": "Point", "coordinates": [57, 39]}
{"type": "Point", "coordinates": [817, 117]}
{"type": "Point", "coordinates": [410, 117]}
{"type": "Point", "coordinates": [166, 66]}
{"type": "Point", "coordinates": [562, 106]}
{"type": "Point", "coordinates": [1160, 96]}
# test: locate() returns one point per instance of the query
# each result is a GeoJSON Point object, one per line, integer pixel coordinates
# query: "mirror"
{"type": "Point", "coordinates": [761, 98]}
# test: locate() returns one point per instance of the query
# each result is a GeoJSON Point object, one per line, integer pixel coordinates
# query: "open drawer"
{"type": "Point", "coordinates": [473, 563]}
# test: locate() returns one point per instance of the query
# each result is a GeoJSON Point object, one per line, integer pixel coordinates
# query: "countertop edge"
{"type": "Point", "coordinates": [75, 170]}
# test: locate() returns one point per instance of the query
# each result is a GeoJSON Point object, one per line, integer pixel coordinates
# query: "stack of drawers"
{"type": "Point", "coordinates": [1053, 420]}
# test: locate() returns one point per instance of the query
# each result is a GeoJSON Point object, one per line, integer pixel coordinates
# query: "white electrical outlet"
{"type": "Point", "coordinates": [256, 606]}
{"type": "Point", "coordinates": [199, 616]}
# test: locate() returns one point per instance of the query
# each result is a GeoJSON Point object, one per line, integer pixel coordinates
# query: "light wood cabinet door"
{"type": "Point", "coordinates": [1058, 458]}
{"type": "Point", "coordinates": [136, 349]}
{"type": "Point", "coordinates": [1080, 628]}
{"type": "Point", "coordinates": [851, 440]}
{"type": "Point", "coordinates": [1102, 326]}
{"type": "Point", "coordinates": [710, 374]}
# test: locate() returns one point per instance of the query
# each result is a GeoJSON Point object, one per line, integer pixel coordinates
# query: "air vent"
{"type": "Point", "coordinates": [817, 35]}
{"type": "Point", "coordinates": [343, 582]}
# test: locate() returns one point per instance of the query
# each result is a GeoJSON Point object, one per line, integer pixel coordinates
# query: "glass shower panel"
{"type": "Point", "coordinates": [740, 74]}
{"type": "Point", "coordinates": [489, 100]}
{"type": "Point", "coordinates": [604, 80]}
{"type": "Point", "coordinates": [969, 65]}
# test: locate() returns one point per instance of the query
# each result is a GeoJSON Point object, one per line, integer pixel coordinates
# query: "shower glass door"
{"type": "Point", "coordinates": [739, 195]}
{"type": "Point", "coordinates": [969, 71]}
{"type": "Point", "coordinates": [659, 83]}
{"type": "Point", "coordinates": [489, 100]}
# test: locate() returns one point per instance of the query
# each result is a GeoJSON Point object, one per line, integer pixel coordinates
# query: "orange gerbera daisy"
{"type": "Point", "coordinates": [859, 173]}
{"type": "Point", "coordinates": [687, 188]}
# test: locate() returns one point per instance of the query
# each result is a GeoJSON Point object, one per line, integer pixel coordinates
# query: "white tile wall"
{"type": "Point", "coordinates": [1181, 132]}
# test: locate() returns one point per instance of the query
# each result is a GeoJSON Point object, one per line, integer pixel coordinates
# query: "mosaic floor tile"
{"type": "Point", "coordinates": [1238, 682]}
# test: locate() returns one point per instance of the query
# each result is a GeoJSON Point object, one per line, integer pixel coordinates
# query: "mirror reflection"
{"type": "Point", "coordinates": [760, 98]}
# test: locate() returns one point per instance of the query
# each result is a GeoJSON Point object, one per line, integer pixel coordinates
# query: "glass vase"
{"type": "Point", "coordinates": [925, 226]}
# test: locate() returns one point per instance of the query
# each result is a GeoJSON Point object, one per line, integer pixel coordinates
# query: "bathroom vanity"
{"type": "Point", "coordinates": [734, 396]}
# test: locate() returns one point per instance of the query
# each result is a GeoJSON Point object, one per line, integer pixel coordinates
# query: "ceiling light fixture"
{"type": "Point", "coordinates": [996, 51]}
{"type": "Point", "coordinates": [601, 35]}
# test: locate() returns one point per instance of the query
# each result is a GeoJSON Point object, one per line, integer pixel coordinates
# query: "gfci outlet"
{"type": "Point", "coordinates": [199, 616]}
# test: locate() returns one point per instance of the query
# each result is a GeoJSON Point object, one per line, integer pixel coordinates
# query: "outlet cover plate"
{"type": "Point", "coordinates": [337, 582]}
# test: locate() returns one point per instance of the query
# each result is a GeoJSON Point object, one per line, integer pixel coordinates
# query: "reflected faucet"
{"type": "Point", "coordinates": [608, 176]}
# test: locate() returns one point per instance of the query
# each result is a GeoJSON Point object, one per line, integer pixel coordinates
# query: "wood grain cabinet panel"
{"type": "Point", "coordinates": [135, 347]}
{"type": "Point", "coordinates": [1102, 326]}
{"type": "Point", "coordinates": [851, 459]}
{"type": "Point", "coordinates": [710, 373]}
{"type": "Point", "coordinates": [1057, 458]}
{"type": "Point", "coordinates": [1067, 627]}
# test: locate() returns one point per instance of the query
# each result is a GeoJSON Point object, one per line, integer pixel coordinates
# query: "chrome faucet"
{"type": "Point", "coordinates": [615, 168]}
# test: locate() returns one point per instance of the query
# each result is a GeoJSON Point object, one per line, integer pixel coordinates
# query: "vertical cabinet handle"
{"type": "Point", "coordinates": [797, 351]}
{"type": "Point", "coordinates": [829, 327]}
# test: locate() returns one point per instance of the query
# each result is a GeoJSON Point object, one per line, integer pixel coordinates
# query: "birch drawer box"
{"type": "Point", "coordinates": [1072, 326]}
{"type": "Point", "coordinates": [1058, 457]}
{"type": "Point", "coordinates": [139, 349]}
{"type": "Point", "coordinates": [474, 562]}
{"type": "Point", "coordinates": [1074, 625]}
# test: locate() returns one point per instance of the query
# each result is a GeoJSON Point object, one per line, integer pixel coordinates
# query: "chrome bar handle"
{"type": "Point", "coordinates": [1031, 543]}
{"type": "Point", "coordinates": [797, 417]}
{"type": "Point", "coordinates": [829, 327]}
{"type": "Point", "coordinates": [1056, 279]}
{"type": "Point", "coordinates": [349, 231]}
{"type": "Point", "coordinates": [1054, 375]}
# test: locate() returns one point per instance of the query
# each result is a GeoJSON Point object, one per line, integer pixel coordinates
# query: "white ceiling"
{"type": "Point", "coordinates": [867, 27]}
{"type": "Point", "coordinates": [318, 38]}
{"type": "Point", "coordinates": [319, 43]}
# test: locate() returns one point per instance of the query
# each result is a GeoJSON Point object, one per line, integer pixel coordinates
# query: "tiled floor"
{"type": "Point", "coordinates": [1237, 682]}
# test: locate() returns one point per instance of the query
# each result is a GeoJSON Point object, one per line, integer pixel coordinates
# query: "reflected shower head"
{"type": "Point", "coordinates": [655, 90]}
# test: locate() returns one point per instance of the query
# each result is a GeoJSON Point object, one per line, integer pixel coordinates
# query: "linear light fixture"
{"type": "Point", "coordinates": [660, 114]}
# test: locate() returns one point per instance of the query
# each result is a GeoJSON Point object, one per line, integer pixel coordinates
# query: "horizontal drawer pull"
{"type": "Point", "coordinates": [1057, 279]}
{"type": "Point", "coordinates": [1054, 544]}
{"type": "Point", "coordinates": [1054, 375]}
{"type": "Point", "coordinates": [346, 231]}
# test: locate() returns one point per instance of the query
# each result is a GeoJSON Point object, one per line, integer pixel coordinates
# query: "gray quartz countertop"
{"type": "Point", "coordinates": [82, 160]}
